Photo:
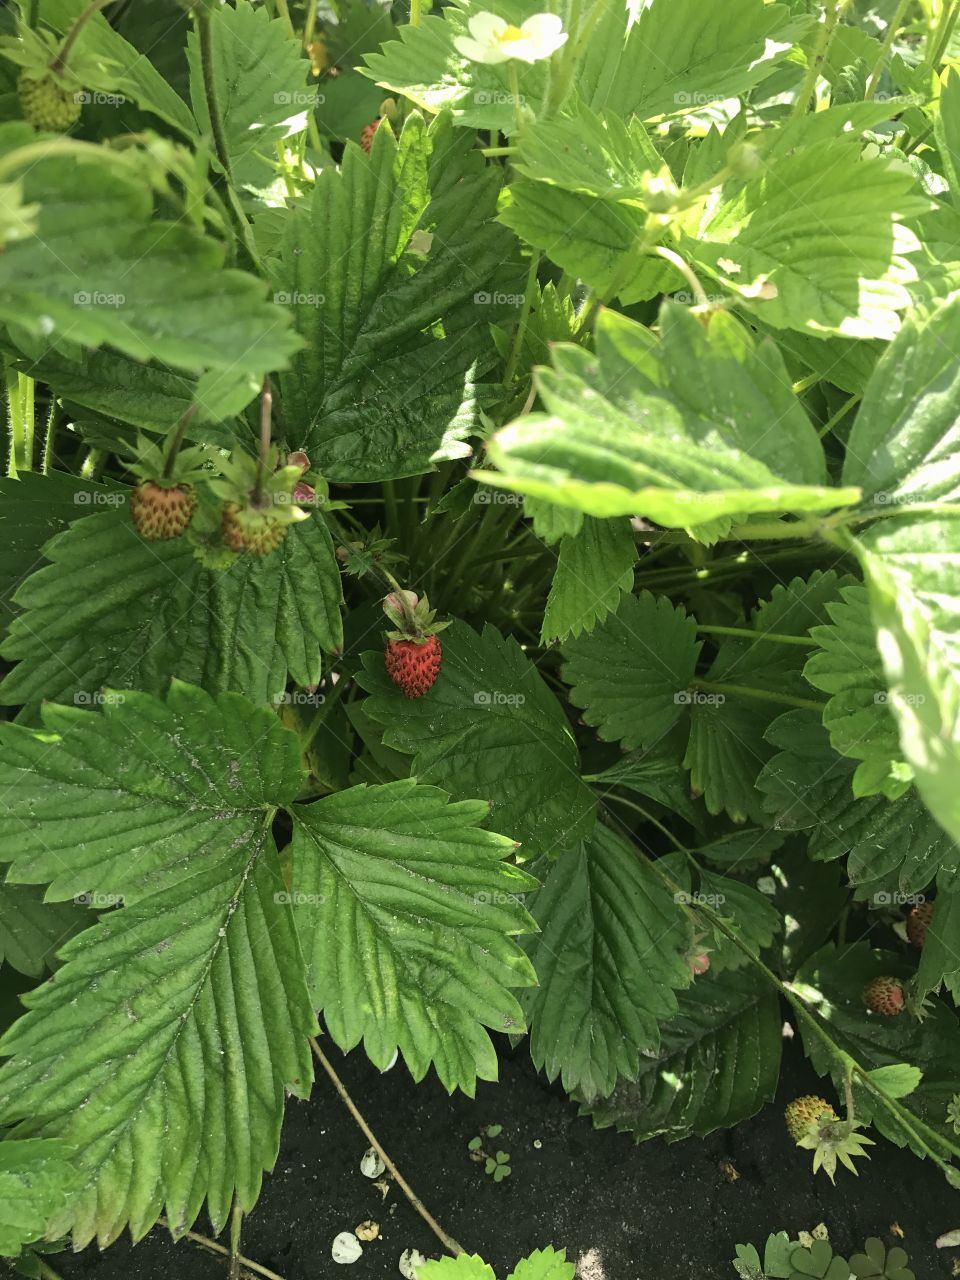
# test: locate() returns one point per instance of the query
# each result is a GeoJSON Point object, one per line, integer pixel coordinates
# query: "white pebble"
{"type": "Point", "coordinates": [346, 1247]}
{"type": "Point", "coordinates": [371, 1166]}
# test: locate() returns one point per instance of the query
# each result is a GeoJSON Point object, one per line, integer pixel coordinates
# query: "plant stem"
{"type": "Point", "coordinates": [416, 12]}
{"type": "Point", "coordinates": [896, 22]}
{"type": "Point", "coordinates": [330, 700]}
{"type": "Point", "coordinates": [236, 1222]}
{"type": "Point", "coordinates": [688, 273]}
{"type": "Point", "coordinates": [49, 437]}
{"type": "Point", "coordinates": [772, 636]}
{"type": "Point", "coordinates": [266, 415]}
{"type": "Point", "coordinates": [60, 61]}
{"type": "Point", "coordinates": [447, 1241]}
{"type": "Point", "coordinates": [176, 440]}
{"type": "Point", "coordinates": [14, 423]}
{"type": "Point", "coordinates": [840, 414]}
{"type": "Point", "coordinates": [525, 310]}
{"type": "Point", "coordinates": [283, 11]}
{"type": "Point", "coordinates": [761, 695]}
{"type": "Point", "coordinates": [214, 1247]}
{"type": "Point", "coordinates": [828, 29]}
{"type": "Point", "coordinates": [498, 151]}
{"type": "Point", "coordinates": [45, 1271]}
{"type": "Point", "coordinates": [205, 36]}
{"type": "Point", "coordinates": [943, 33]}
{"type": "Point", "coordinates": [513, 76]}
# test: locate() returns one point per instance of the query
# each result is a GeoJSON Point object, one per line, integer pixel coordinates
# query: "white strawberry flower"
{"type": "Point", "coordinates": [494, 40]}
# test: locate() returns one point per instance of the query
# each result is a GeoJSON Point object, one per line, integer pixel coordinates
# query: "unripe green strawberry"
{"type": "Point", "coordinates": [885, 996]}
{"type": "Point", "coordinates": [245, 529]}
{"type": "Point", "coordinates": [47, 104]}
{"type": "Point", "coordinates": [918, 922]}
{"type": "Point", "coordinates": [802, 1115]}
{"type": "Point", "coordinates": [161, 512]}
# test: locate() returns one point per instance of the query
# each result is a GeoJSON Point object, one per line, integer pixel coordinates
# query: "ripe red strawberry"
{"type": "Point", "coordinates": [918, 922]}
{"type": "Point", "coordinates": [46, 103]}
{"type": "Point", "coordinates": [161, 512]}
{"type": "Point", "coordinates": [884, 996]}
{"type": "Point", "coordinates": [414, 653]}
{"type": "Point", "coordinates": [366, 137]}
{"type": "Point", "coordinates": [413, 665]}
{"type": "Point", "coordinates": [802, 1115]}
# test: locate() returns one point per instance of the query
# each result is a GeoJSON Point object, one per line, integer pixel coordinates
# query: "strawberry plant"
{"type": "Point", "coordinates": [616, 343]}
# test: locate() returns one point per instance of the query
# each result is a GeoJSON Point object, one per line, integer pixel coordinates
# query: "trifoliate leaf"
{"type": "Point", "coordinates": [393, 337]}
{"type": "Point", "coordinates": [718, 1063]}
{"type": "Point", "coordinates": [114, 609]}
{"type": "Point", "coordinates": [102, 269]}
{"type": "Point", "coordinates": [657, 774]}
{"type": "Point", "coordinates": [36, 1179]}
{"type": "Point", "coordinates": [465, 1266]}
{"type": "Point", "coordinates": [817, 241]}
{"type": "Point", "coordinates": [631, 675]}
{"type": "Point", "coordinates": [594, 569]}
{"type": "Point", "coordinates": [490, 729]}
{"type": "Point", "coordinates": [617, 443]}
{"type": "Point", "coordinates": [163, 1048]}
{"type": "Point", "coordinates": [544, 1264]}
{"type": "Point", "coordinates": [857, 716]}
{"type": "Point", "coordinates": [609, 961]}
{"type": "Point", "coordinates": [407, 913]}
{"type": "Point", "coordinates": [32, 931]}
{"type": "Point", "coordinates": [260, 79]}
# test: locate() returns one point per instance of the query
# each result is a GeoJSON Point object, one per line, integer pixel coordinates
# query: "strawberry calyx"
{"type": "Point", "coordinates": [412, 617]}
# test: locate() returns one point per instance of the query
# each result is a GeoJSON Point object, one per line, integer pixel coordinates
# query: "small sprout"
{"type": "Point", "coordinates": [494, 1130]}
{"type": "Point", "coordinates": [474, 1144]}
{"type": "Point", "coordinates": [498, 1166]}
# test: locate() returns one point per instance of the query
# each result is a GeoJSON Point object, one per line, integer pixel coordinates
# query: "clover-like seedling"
{"type": "Point", "coordinates": [879, 1264]}
{"type": "Point", "coordinates": [498, 1166]}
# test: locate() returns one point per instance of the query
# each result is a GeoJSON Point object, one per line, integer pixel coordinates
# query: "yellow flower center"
{"type": "Point", "coordinates": [510, 35]}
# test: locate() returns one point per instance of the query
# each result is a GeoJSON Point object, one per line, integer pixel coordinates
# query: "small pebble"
{"type": "Point", "coordinates": [410, 1260]}
{"type": "Point", "coordinates": [371, 1166]}
{"type": "Point", "coordinates": [346, 1248]}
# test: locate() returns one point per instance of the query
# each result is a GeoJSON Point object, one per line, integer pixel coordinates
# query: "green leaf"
{"type": "Point", "coordinates": [490, 728]}
{"type": "Point", "coordinates": [631, 676]}
{"type": "Point", "coordinates": [584, 151]}
{"type": "Point", "coordinates": [396, 323]}
{"type": "Point", "coordinates": [594, 569]}
{"type": "Point", "coordinates": [544, 1264]}
{"type": "Point", "coordinates": [898, 1080]}
{"type": "Point", "coordinates": [749, 913]}
{"type": "Point", "coordinates": [31, 930]}
{"type": "Point", "coordinates": [718, 1063]}
{"type": "Point", "coordinates": [465, 1266]}
{"type": "Point", "coordinates": [617, 443]}
{"type": "Point", "coordinates": [674, 55]}
{"type": "Point", "coordinates": [113, 65]}
{"type": "Point", "coordinates": [913, 570]}
{"type": "Point", "coordinates": [164, 1047]}
{"type": "Point", "coordinates": [407, 912]}
{"type": "Point", "coordinates": [260, 77]}
{"type": "Point", "coordinates": [609, 959]}
{"type": "Point", "coordinates": [817, 241]}
{"type": "Point", "coordinates": [806, 786]}
{"type": "Point", "coordinates": [856, 716]}
{"type": "Point", "coordinates": [103, 269]}
{"type": "Point", "coordinates": [656, 774]}
{"type": "Point", "coordinates": [905, 443]}
{"type": "Point", "coordinates": [35, 1180]}
{"type": "Point", "coordinates": [114, 609]}
{"type": "Point", "coordinates": [940, 957]}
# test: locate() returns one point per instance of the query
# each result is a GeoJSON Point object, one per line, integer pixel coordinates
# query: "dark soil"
{"type": "Point", "coordinates": [653, 1212]}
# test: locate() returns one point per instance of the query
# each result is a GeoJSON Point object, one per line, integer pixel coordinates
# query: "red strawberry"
{"type": "Point", "coordinates": [884, 996]}
{"type": "Point", "coordinates": [414, 665]}
{"type": "Point", "coordinates": [414, 653]}
{"type": "Point", "coordinates": [366, 137]}
{"type": "Point", "coordinates": [918, 922]}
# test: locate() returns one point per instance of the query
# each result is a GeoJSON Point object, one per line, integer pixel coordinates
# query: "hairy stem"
{"type": "Point", "coordinates": [762, 695]}
{"type": "Point", "coordinates": [176, 440]}
{"type": "Point", "coordinates": [828, 29]}
{"type": "Point", "coordinates": [896, 22]}
{"type": "Point", "coordinates": [60, 61]}
{"type": "Point", "coordinates": [236, 1222]}
{"type": "Point", "coordinates": [447, 1241]}
{"type": "Point", "coordinates": [528, 295]}
{"type": "Point", "coordinates": [266, 417]}
{"type": "Point", "coordinates": [771, 636]}
{"type": "Point", "coordinates": [49, 436]}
